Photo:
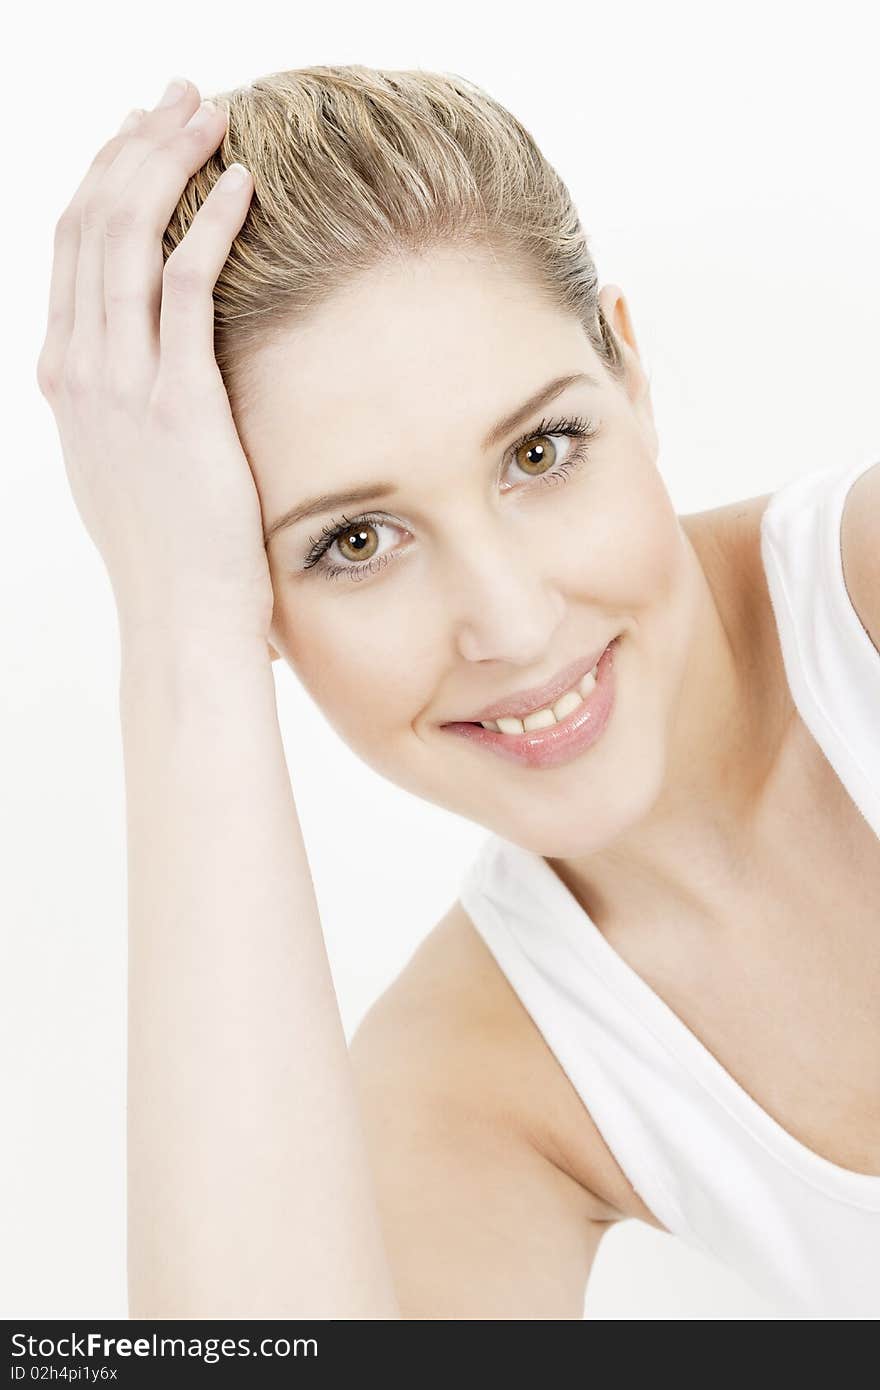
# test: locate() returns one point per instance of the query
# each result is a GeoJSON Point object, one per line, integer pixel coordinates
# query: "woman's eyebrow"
{"type": "Point", "coordinates": [546, 394]}
{"type": "Point", "coordinates": [329, 501]}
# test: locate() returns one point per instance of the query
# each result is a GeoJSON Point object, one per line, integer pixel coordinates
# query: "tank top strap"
{"type": "Point", "coordinates": [832, 665]}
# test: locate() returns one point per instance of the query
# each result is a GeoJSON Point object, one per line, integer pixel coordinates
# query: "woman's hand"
{"type": "Point", "coordinates": [153, 457]}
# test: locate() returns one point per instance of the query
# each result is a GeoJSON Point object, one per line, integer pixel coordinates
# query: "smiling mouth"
{"type": "Point", "coordinates": [548, 715]}
{"type": "Point", "coordinates": [545, 716]}
{"type": "Point", "coordinates": [549, 737]}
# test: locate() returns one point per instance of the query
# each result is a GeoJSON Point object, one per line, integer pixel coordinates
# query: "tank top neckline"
{"type": "Point", "coordinates": [670, 1030]}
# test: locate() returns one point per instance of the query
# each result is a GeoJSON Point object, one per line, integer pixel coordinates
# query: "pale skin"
{"type": "Point", "coordinates": [272, 1170]}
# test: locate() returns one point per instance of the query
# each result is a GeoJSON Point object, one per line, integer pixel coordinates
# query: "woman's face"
{"type": "Point", "coordinates": [473, 561]}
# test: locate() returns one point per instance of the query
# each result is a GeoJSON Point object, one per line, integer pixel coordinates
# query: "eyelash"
{"type": "Point", "coordinates": [573, 427]}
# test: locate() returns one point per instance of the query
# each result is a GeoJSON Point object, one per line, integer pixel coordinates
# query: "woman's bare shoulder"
{"type": "Point", "coordinates": [460, 1021]}
{"type": "Point", "coordinates": [478, 1216]}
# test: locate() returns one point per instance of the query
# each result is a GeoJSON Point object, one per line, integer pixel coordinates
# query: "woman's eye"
{"type": "Point", "coordinates": [363, 545]}
{"type": "Point", "coordinates": [553, 454]}
{"type": "Point", "coordinates": [358, 542]}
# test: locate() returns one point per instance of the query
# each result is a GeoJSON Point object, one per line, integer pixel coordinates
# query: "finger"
{"type": "Point", "coordinates": [134, 259]}
{"type": "Point", "coordinates": [186, 326]}
{"type": "Point", "coordinates": [96, 204]}
{"type": "Point", "coordinates": [62, 287]}
{"type": "Point", "coordinates": [68, 235]}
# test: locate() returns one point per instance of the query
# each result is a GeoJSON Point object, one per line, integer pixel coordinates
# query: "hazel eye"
{"type": "Point", "coordinates": [359, 542]}
{"type": "Point", "coordinates": [536, 455]}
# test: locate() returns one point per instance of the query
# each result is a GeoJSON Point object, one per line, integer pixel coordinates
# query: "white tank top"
{"type": "Point", "coordinates": [714, 1167]}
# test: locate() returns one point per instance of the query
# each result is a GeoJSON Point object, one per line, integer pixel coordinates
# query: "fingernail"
{"type": "Point", "coordinates": [131, 120]}
{"type": "Point", "coordinates": [234, 177]}
{"type": "Point", "coordinates": [173, 92]}
{"type": "Point", "coordinates": [202, 116]}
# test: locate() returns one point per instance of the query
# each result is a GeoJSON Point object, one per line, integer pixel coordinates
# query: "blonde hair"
{"type": "Point", "coordinates": [355, 165]}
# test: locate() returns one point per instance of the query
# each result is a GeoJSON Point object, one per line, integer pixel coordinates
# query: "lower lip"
{"type": "Point", "coordinates": [561, 742]}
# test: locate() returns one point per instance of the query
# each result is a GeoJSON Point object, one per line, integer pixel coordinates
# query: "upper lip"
{"type": "Point", "coordinates": [522, 702]}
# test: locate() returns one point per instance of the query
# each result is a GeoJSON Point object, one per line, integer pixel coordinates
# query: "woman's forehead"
{"type": "Point", "coordinates": [415, 346]}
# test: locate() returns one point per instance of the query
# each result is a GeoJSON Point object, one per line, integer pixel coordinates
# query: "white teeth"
{"type": "Point", "coordinates": [509, 725]}
{"type": "Point", "coordinates": [543, 718]}
{"type": "Point", "coordinates": [566, 703]}
{"type": "Point", "coordinates": [588, 682]}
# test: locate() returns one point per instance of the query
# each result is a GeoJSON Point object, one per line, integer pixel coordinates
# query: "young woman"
{"type": "Point", "coordinates": [364, 408]}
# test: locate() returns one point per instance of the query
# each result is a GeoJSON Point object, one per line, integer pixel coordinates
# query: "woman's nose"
{"type": "Point", "coordinates": [506, 605]}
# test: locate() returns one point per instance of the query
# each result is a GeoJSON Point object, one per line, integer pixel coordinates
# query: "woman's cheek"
{"type": "Point", "coordinates": [350, 652]}
{"type": "Point", "coordinates": [631, 555]}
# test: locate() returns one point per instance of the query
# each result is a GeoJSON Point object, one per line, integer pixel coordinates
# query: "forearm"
{"type": "Point", "coordinates": [249, 1189]}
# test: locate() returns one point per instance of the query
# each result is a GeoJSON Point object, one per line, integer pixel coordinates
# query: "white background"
{"type": "Point", "coordinates": [724, 161]}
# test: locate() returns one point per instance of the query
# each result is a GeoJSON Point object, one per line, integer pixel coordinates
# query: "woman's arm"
{"type": "Point", "coordinates": [249, 1190]}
